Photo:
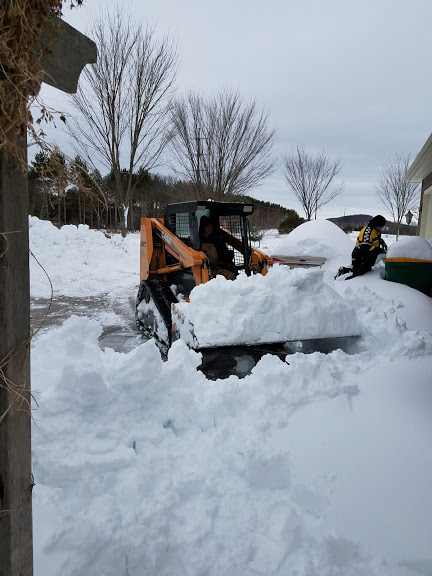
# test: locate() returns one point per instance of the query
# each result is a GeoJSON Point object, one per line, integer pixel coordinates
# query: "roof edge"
{"type": "Point", "coordinates": [422, 164]}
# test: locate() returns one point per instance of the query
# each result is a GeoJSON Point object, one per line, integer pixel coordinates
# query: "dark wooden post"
{"type": "Point", "coordinates": [70, 52]}
{"type": "Point", "coordinates": [15, 450]}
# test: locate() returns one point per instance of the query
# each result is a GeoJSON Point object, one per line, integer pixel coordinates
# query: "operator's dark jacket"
{"type": "Point", "coordinates": [224, 254]}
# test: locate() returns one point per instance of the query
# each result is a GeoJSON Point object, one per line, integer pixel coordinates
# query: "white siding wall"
{"type": "Point", "coordinates": [426, 217]}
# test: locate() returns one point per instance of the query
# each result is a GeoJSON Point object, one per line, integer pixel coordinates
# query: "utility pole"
{"type": "Point", "coordinates": [70, 51]}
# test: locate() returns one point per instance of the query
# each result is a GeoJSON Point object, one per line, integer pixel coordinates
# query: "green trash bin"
{"type": "Point", "coordinates": [414, 273]}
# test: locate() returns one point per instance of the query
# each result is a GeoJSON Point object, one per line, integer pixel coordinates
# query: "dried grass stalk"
{"type": "Point", "coordinates": [21, 24]}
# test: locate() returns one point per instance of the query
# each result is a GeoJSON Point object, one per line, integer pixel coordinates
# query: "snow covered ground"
{"type": "Point", "coordinates": [316, 466]}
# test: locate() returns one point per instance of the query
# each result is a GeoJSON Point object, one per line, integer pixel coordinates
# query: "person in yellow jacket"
{"type": "Point", "coordinates": [368, 246]}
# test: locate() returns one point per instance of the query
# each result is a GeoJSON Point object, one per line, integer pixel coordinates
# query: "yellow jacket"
{"type": "Point", "coordinates": [368, 238]}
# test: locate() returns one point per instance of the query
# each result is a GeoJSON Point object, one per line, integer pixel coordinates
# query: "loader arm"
{"type": "Point", "coordinates": [260, 262]}
{"type": "Point", "coordinates": [155, 240]}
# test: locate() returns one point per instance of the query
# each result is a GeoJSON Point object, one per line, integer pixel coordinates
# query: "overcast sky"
{"type": "Point", "coordinates": [348, 76]}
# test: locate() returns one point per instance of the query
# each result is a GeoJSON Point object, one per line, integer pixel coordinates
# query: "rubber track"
{"type": "Point", "coordinates": [162, 296]}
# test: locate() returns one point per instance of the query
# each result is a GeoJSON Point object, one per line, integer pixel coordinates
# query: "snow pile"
{"type": "Point", "coordinates": [284, 305]}
{"type": "Point", "coordinates": [411, 247]}
{"type": "Point", "coordinates": [387, 481]}
{"type": "Point", "coordinates": [314, 238]}
{"type": "Point", "coordinates": [145, 467]}
{"type": "Point", "coordinates": [80, 261]}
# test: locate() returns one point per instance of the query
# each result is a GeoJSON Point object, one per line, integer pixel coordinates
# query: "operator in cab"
{"type": "Point", "coordinates": [219, 256]}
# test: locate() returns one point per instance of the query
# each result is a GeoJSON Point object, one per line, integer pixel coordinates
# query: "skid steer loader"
{"type": "Point", "coordinates": [172, 262]}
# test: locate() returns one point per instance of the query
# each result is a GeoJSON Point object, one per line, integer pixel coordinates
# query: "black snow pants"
{"type": "Point", "coordinates": [363, 259]}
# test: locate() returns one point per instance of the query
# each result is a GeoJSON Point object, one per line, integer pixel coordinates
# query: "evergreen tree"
{"type": "Point", "coordinates": [291, 221]}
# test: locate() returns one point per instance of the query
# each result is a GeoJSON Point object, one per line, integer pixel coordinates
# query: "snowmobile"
{"type": "Point", "coordinates": [172, 261]}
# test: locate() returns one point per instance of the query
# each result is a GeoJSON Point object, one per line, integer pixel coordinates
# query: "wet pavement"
{"type": "Point", "coordinates": [116, 316]}
{"type": "Point", "coordinates": [120, 333]}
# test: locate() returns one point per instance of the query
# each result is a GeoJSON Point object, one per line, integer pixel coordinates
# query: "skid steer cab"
{"type": "Point", "coordinates": [193, 243]}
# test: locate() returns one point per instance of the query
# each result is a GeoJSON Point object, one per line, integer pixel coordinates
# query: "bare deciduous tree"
{"type": "Point", "coordinates": [311, 179]}
{"type": "Point", "coordinates": [221, 145]}
{"type": "Point", "coordinates": [123, 101]}
{"type": "Point", "coordinates": [397, 195]}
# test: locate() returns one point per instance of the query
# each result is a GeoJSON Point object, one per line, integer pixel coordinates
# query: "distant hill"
{"type": "Point", "coordinates": [357, 221]}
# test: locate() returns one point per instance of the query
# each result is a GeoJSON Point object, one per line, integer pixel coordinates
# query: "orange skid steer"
{"type": "Point", "coordinates": [173, 260]}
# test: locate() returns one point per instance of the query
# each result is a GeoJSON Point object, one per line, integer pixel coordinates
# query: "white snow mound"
{"type": "Point", "coordinates": [411, 247]}
{"type": "Point", "coordinates": [80, 261]}
{"type": "Point", "coordinates": [315, 238]}
{"type": "Point", "coordinates": [284, 305]}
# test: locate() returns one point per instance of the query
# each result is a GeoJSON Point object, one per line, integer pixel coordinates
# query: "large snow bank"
{"type": "Point", "coordinates": [145, 467]}
{"type": "Point", "coordinates": [80, 261]}
{"type": "Point", "coordinates": [411, 247]}
{"type": "Point", "coordinates": [314, 238]}
{"type": "Point", "coordinates": [284, 305]}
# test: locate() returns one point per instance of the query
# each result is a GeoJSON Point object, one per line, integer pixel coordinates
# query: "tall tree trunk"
{"type": "Point", "coordinates": [131, 216]}
{"type": "Point", "coordinates": [44, 206]}
{"type": "Point", "coordinates": [123, 217]}
{"type": "Point", "coordinates": [79, 206]}
{"type": "Point", "coordinates": [98, 216]}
